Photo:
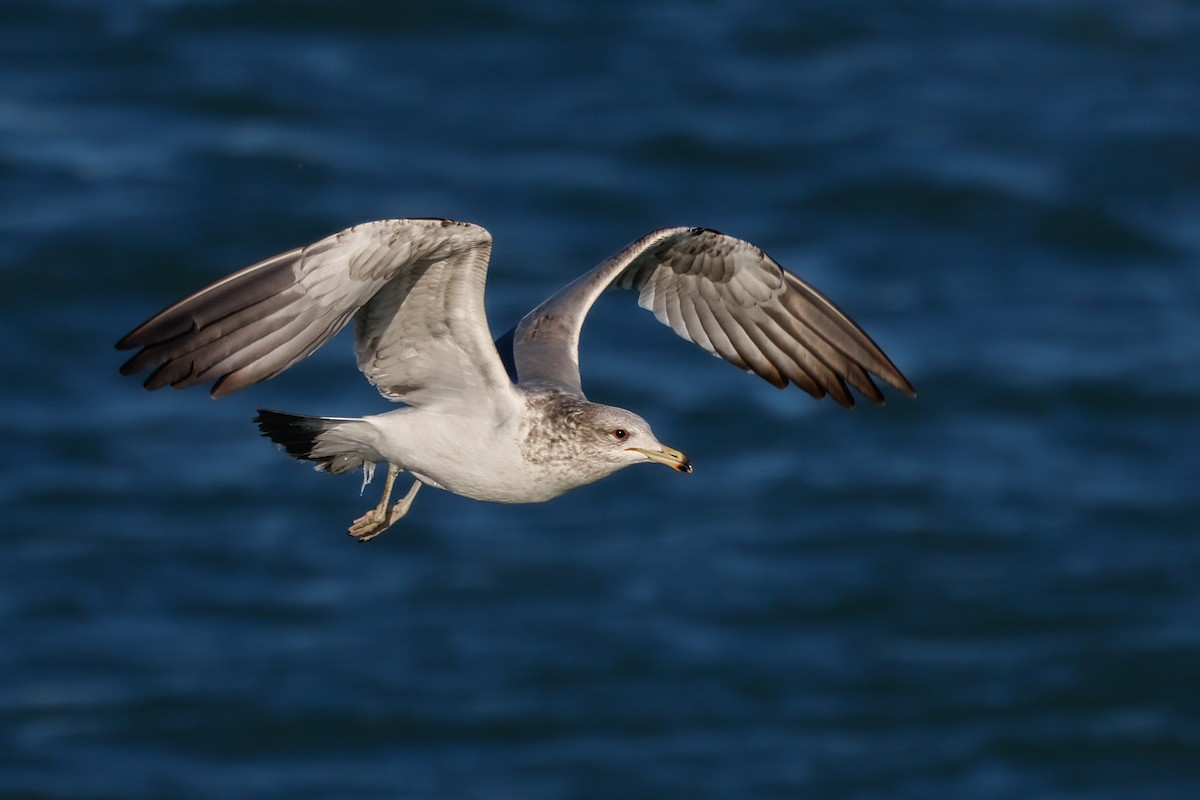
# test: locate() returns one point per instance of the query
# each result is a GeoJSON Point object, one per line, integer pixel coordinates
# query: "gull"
{"type": "Point", "coordinates": [503, 421]}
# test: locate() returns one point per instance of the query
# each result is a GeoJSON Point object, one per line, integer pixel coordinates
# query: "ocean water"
{"type": "Point", "coordinates": [989, 591]}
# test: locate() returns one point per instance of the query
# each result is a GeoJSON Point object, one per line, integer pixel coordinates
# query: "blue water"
{"type": "Point", "coordinates": [991, 591]}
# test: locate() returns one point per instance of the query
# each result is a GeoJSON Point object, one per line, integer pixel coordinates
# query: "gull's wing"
{"type": "Point", "coordinates": [725, 295]}
{"type": "Point", "coordinates": [413, 286]}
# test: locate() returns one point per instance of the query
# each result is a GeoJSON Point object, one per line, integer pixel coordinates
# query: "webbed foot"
{"type": "Point", "coordinates": [380, 518]}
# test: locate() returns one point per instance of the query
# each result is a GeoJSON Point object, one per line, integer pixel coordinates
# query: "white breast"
{"type": "Point", "coordinates": [475, 457]}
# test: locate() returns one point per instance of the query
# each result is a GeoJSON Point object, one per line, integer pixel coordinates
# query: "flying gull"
{"type": "Point", "coordinates": [503, 421]}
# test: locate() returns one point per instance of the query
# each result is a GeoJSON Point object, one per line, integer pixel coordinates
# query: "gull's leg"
{"type": "Point", "coordinates": [375, 520]}
{"type": "Point", "coordinates": [393, 516]}
{"type": "Point", "coordinates": [401, 508]}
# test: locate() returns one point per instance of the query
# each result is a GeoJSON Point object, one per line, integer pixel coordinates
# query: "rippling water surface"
{"type": "Point", "coordinates": [992, 591]}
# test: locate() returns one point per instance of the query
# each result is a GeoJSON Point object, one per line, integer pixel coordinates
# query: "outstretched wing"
{"type": "Point", "coordinates": [413, 286]}
{"type": "Point", "coordinates": [725, 295]}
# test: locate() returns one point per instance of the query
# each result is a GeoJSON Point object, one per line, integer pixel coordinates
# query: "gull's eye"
{"type": "Point", "coordinates": [620, 434]}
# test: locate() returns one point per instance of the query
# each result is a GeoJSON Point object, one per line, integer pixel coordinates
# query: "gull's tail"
{"type": "Point", "coordinates": [336, 444]}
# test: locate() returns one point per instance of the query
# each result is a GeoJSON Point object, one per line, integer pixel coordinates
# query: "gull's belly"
{"type": "Point", "coordinates": [468, 456]}
{"type": "Point", "coordinates": [495, 476]}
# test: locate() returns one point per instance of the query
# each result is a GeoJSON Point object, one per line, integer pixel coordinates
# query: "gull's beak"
{"type": "Point", "coordinates": [667, 455]}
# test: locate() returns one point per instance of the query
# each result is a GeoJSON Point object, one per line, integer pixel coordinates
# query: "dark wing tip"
{"type": "Point", "coordinates": [138, 337]}
{"type": "Point", "coordinates": [135, 338]}
{"type": "Point", "coordinates": [130, 367]}
{"type": "Point", "coordinates": [843, 397]}
{"type": "Point", "coordinates": [226, 386]}
{"type": "Point", "coordinates": [892, 377]}
{"type": "Point", "coordinates": [167, 324]}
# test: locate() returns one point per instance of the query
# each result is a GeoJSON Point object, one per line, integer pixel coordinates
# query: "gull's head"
{"type": "Point", "coordinates": [569, 441]}
{"type": "Point", "coordinates": [623, 438]}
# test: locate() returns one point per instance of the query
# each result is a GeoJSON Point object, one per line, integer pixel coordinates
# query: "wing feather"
{"type": "Point", "coordinates": [693, 325]}
{"type": "Point", "coordinates": [805, 371]}
{"type": "Point", "coordinates": [264, 348]}
{"type": "Point", "coordinates": [725, 295]}
{"type": "Point", "coordinates": [722, 347]}
{"type": "Point", "coordinates": [415, 287]}
{"type": "Point", "coordinates": [746, 348]}
{"type": "Point", "coordinates": [173, 347]}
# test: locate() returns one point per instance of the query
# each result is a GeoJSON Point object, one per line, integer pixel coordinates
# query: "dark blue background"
{"type": "Point", "coordinates": [992, 591]}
